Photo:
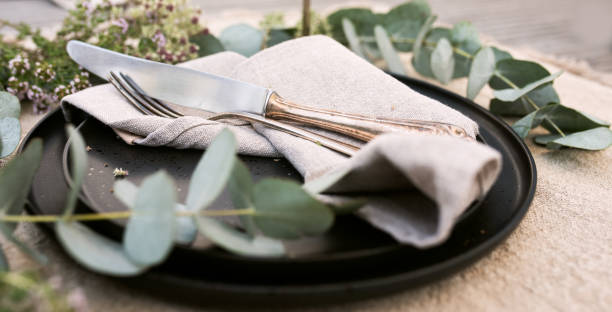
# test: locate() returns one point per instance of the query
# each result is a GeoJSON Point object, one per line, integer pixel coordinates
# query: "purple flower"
{"type": "Point", "coordinates": [123, 24]}
{"type": "Point", "coordinates": [160, 39]}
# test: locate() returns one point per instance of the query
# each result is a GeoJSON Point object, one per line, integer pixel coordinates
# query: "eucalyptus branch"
{"type": "Point", "coordinates": [120, 215]}
{"type": "Point", "coordinates": [431, 44]}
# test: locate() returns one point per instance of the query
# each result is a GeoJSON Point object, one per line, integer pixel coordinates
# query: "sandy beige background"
{"type": "Point", "coordinates": [559, 258]}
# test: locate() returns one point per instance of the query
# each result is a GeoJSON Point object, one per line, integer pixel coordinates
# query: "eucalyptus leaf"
{"type": "Point", "coordinates": [207, 43]}
{"type": "Point", "coordinates": [278, 35]}
{"type": "Point", "coordinates": [363, 20]}
{"type": "Point", "coordinates": [237, 242]}
{"type": "Point", "coordinates": [185, 229]}
{"type": "Point", "coordinates": [571, 120]}
{"type": "Point", "coordinates": [352, 38]}
{"type": "Point", "coordinates": [546, 138]}
{"type": "Point", "coordinates": [500, 54]}
{"type": "Point", "coordinates": [212, 172]}
{"type": "Point", "coordinates": [240, 187]}
{"type": "Point", "coordinates": [242, 38]}
{"type": "Point", "coordinates": [94, 251]}
{"type": "Point", "coordinates": [520, 72]}
{"type": "Point", "coordinates": [509, 95]}
{"type": "Point", "coordinates": [481, 71]}
{"type": "Point", "coordinates": [9, 105]}
{"type": "Point", "coordinates": [149, 234]}
{"type": "Point", "coordinates": [4, 265]}
{"type": "Point", "coordinates": [524, 125]}
{"type": "Point", "coordinates": [284, 210]}
{"type": "Point", "coordinates": [404, 21]}
{"type": "Point", "coordinates": [464, 37]}
{"type": "Point", "coordinates": [421, 59]}
{"type": "Point", "coordinates": [16, 178]}
{"type": "Point", "coordinates": [541, 96]}
{"type": "Point", "coordinates": [10, 134]}
{"type": "Point", "coordinates": [593, 139]}
{"type": "Point", "coordinates": [126, 192]}
{"type": "Point", "coordinates": [78, 167]}
{"type": "Point", "coordinates": [515, 109]}
{"type": "Point", "coordinates": [389, 54]}
{"type": "Point", "coordinates": [442, 61]}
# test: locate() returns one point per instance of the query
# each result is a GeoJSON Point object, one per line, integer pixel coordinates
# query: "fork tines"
{"type": "Point", "coordinates": [138, 98]}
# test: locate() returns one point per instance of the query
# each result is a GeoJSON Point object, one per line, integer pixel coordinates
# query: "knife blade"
{"type": "Point", "coordinates": [181, 86]}
{"type": "Point", "coordinates": [187, 87]}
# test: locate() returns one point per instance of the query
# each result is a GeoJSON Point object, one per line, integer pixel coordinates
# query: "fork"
{"type": "Point", "coordinates": [147, 105]}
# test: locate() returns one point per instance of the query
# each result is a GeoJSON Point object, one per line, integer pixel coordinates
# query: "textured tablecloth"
{"type": "Point", "coordinates": [558, 259]}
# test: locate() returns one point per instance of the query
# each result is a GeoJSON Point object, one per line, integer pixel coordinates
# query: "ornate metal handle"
{"type": "Point", "coordinates": [359, 127]}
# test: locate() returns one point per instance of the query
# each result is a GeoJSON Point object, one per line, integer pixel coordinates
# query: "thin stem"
{"type": "Point", "coordinates": [506, 80]}
{"type": "Point", "coordinates": [554, 125]}
{"type": "Point", "coordinates": [120, 215]}
{"type": "Point", "coordinates": [305, 17]}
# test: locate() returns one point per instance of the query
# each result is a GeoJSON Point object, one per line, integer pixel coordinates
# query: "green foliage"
{"type": "Point", "coordinates": [242, 38]}
{"type": "Point", "coordinates": [212, 172]}
{"type": "Point", "coordinates": [284, 210]}
{"type": "Point", "coordinates": [149, 235]}
{"type": "Point", "coordinates": [442, 61]}
{"type": "Point", "coordinates": [78, 167]}
{"type": "Point", "coordinates": [520, 87]}
{"type": "Point", "coordinates": [481, 71]}
{"type": "Point", "coordinates": [207, 44]}
{"type": "Point", "coordinates": [94, 251]}
{"type": "Point", "coordinates": [394, 63]}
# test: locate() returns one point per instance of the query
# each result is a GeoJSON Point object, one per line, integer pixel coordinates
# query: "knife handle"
{"type": "Point", "coordinates": [356, 126]}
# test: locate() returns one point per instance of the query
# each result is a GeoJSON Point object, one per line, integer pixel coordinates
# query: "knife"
{"type": "Point", "coordinates": [217, 94]}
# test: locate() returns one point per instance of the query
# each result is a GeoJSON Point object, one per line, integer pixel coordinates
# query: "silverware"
{"type": "Point", "coordinates": [218, 94]}
{"type": "Point", "coordinates": [150, 106]}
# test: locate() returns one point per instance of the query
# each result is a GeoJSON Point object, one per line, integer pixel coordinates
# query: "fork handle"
{"type": "Point", "coordinates": [355, 126]}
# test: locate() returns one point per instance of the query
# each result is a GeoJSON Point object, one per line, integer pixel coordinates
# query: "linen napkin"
{"type": "Point", "coordinates": [415, 185]}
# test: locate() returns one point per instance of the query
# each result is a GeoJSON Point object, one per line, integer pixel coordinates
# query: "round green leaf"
{"type": "Point", "coordinates": [10, 134]}
{"type": "Point", "coordinates": [442, 61]}
{"type": "Point", "coordinates": [524, 125]}
{"type": "Point", "coordinates": [238, 242]}
{"type": "Point", "coordinates": [278, 35]}
{"type": "Point", "coordinates": [284, 210]}
{"type": "Point", "coordinates": [78, 167]}
{"type": "Point", "coordinates": [207, 43]}
{"type": "Point", "coordinates": [394, 63]}
{"type": "Point", "coordinates": [481, 71]}
{"type": "Point", "coordinates": [521, 73]}
{"type": "Point", "coordinates": [9, 105]}
{"type": "Point", "coordinates": [363, 20]}
{"type": "Point", "coordinates": [212, 172]}
{"type": "Point", "coordinates": [405, 20]}
{"type": "Point", "coordinates": [240, 187]}
{"type": "Point", "coordinates": [94, 251]}
{"type": "Point", "coordinates": [185, 229]}
{"type": "Point", "coordinates": [242, 38]}
{"type": "Point", "coordinates": [351, 37]}
{"type": "Point", "coordinates": [149, 234]}
{"type": "Point", "coordinates": [16, 178]}
{"type": "Point", "coordinates": [511, 94]}
{"type": "Point", "coordinates": [593, 139]}
{"type": "Point", "coordinates": [421, 57]}
{"type": "Point", "coordinates": [571, 120]}
{"type": "Point", "coordinates": [500, 54]}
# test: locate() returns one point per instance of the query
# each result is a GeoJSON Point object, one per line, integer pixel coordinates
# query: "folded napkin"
{"type": "Point", "coordinates": [415, 185]}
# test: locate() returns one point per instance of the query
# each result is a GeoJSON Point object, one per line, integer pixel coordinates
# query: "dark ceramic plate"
{"type": "Point", "coordinates": [352, 261]}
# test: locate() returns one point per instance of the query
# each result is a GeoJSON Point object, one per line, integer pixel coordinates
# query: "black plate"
{"type": "Point", "coordinates": [352, 262]}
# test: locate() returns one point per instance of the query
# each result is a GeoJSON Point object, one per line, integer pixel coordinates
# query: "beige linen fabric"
{"type": "Point", "coordinates": [399, 169]}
